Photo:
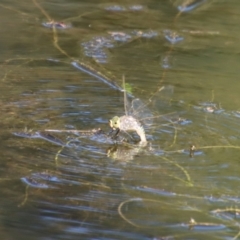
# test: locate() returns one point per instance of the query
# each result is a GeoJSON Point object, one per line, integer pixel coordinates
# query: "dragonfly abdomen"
{"type": "Point", "coordinates": [129, 123]}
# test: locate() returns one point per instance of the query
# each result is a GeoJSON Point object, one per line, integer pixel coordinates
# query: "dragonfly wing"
{"type": "Point", "coordinates": [127, 105]}
{"type": "Point", "coordinates": [140, 111]}
{"type": "Point", "coordinates": [159, 101]}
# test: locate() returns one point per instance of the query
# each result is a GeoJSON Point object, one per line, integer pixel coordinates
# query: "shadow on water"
{"type": "Point", "coordinates": [63, 72]}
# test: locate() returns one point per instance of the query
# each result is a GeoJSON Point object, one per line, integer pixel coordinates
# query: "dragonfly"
{"type": "Point", "coordinates": [137, 115]}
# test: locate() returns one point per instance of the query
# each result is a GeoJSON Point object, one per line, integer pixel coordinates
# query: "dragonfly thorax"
{"type": "Point", "coordinates": [128, 123]}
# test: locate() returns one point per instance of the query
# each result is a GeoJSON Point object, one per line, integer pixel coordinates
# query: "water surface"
{"type": "Point", "coordinates": [92, 188]}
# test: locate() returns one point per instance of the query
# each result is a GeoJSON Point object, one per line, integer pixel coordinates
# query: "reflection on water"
{"type": "Point", "coordinates": [190, 5]}
{"type": "Point", "coordinates": [62, 64]}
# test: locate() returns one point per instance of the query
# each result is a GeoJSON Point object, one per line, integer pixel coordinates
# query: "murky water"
{"type": "Point", "coordinates": [61, 69]}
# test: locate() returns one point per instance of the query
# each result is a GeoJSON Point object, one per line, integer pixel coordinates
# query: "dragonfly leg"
{"type": "Point", "coordinates": [114, 134]}
{"type": "Point", "coordinates": [117, 132]}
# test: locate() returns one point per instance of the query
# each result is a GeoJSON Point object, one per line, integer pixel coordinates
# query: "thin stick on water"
{"type": "Point", "coordinates": [73, 131]}
{"type": "Point", "coordinates": [125, 96]}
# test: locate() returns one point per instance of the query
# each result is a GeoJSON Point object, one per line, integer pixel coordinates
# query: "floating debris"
{"type": "Point", "coordinates": [146, 34]}
{"type": "Point", "coordinates": [40, 180]}
{"type": "Point", "coordinates": [119, 8]}
{"type": "Point", "coordinates": [172, 36]}
{"type": "Point", "coordinates": [166, 62]}
{"type": "Point", "coordinates": [183, 121]}
{"type": "Point", "coordinates": [228, 213]}
{"type": "Point", "coordinates": [120, 36]}
{"type": "Point", "coordinates": [189, 5]}
{"type": "Point", "coordinates": [136, 7]}
{"type": "Point", "coordinates": [115, 8]}
{"type": "Point", "coordinates": [205, 225]}
{"type": "Point", "coordinates": [201, 32]}
{"type": "Point", "coordinates": [57, 25]}
{"type": "Point", "coordinates": [209, 107]}
{"type": "Point", "coordinates": [192, 149]}
{"type": "Point", "coordinates": [236, 114]}
{"type": "Point", "coordinates": [96, 48]}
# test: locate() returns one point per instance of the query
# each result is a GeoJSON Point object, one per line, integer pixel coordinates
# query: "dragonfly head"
{"type": "Point", "coordinates": [114, 123]}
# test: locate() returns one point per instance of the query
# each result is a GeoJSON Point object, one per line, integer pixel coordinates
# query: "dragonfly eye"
{"type": "Point", "coordinates": [111, 124]}
{"type": "Point", "coordinates": [114, 122]}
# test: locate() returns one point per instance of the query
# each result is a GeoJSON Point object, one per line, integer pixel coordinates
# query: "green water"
{"type": "Point", "coordinates": [93, 189]}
